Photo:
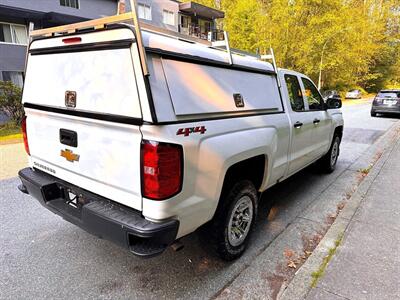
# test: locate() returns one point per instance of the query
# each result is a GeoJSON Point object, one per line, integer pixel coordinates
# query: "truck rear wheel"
{"type": "Point", "coordinates": [234, 220]}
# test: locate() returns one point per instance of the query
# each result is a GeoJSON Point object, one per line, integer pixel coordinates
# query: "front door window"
{"type": "Point", "coordinates": [314, 99]}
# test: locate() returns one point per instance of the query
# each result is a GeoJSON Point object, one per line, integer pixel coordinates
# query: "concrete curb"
{"type": "Point", "coordinates": [300, 285]}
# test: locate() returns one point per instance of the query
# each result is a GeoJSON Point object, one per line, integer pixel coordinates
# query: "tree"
{"type": "Point", "coordinates": [356, 40]}
{"type": "Point", "coordinates": [10, 101]}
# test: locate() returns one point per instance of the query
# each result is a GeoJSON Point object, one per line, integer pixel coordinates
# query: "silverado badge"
{"type": "Point", "coordinates": [70, 99]}
{"type": "Point", "coordinates": [69, 155]}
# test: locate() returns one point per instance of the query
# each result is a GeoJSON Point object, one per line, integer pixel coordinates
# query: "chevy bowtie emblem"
{"type": "Point", "coordinates": [69, 155]}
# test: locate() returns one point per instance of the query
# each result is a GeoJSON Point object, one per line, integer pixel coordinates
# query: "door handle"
{"type": "Point", "coordinates": [68, 137]}
{"type": "Point", "coordinates": [316, 121]}
{"type": "Point", "coordinates": [298, 124]}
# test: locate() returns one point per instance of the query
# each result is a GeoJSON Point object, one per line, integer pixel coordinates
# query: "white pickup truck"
{"type": "Point", "coordinates": [143, 160]}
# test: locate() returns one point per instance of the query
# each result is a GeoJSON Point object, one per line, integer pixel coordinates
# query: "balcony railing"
{"type": "Point", "coordinates": [198, 32]}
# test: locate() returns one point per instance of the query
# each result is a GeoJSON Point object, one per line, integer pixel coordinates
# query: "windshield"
{"type": "Point", "coordinates": [388, 95]}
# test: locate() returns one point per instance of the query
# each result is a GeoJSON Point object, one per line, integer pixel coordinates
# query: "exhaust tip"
{"type": "Point", "coordinates": [177, 246]}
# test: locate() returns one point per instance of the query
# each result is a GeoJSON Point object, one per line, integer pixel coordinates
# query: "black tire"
{"type": "Point", "coordinates": [373, 114]}
{"type": "Point", "coordinates": [328, 162]}
{"type": "Point", "coordinates": [220, 227]}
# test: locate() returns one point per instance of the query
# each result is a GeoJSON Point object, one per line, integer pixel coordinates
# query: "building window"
{"type": "Point", "coordinates": [70, 3]}
{"type": "Point", "coordinates": [168, 17]}
{"type": "Point", "coordinates": [144, 11]}
{"type": "Point", "coordinates": [14, 77]}
{"type": "Point", "coordinates": [13, 33]}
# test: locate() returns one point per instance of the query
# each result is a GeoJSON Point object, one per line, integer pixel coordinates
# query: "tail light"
{"type": "Point", "coordinates": [25, 135]}
{"type": "Point", "coordinates": [72, 40]}
{"type": "Point", "coordinates": [162, 171]}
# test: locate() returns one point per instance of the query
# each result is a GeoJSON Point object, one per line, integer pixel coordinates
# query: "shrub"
{"type": "Point", "coordinates": [10, 101]}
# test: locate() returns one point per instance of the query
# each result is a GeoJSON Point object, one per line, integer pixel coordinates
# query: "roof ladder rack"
{"type": "Point", "coordinates": [139, 38]}
{"type": "Point", "coordinates": [132, 17]}
{"type": "Point", "coordinates": [224, 44]}
{"type": "Point", "coordinates": [271, 57]}
{"type": "Point", "coordinates": [99, 24]}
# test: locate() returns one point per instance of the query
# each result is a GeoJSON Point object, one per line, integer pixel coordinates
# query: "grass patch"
{"type": "Point", "coordinates": [321, 271]}
{"type": "Point", "coordinates": [12, 137]}
{"type": "Point", "coordinates": [10, 130]}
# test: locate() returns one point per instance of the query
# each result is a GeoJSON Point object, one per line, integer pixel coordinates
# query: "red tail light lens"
{"type": "Point", "coordinates": [72, 40]}
{"type": "Point", "coordinates": [25, 135]}
{"type": "Point", "coordinates": [161, 170]}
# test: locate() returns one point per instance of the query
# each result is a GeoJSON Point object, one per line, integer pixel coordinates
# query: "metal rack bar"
{"type": "Point", "coordinates": [139, 39]}
{"type": "Point", "coordinates": [271, 56]}
{"type": "Point", "coordinates": [70, 28]}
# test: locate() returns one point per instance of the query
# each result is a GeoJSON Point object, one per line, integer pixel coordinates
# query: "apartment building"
{"type": "Point", "coordinates": [185, 17]}
{"type": "Point", "coordinates": [15, 16]}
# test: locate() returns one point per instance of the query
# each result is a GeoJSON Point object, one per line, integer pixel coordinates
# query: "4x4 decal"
{"type": "Point", "coordinates": [188, 131]}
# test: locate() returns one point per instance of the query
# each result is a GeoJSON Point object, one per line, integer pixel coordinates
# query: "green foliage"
{"type": "Point", "coordinates": [10, 101]}
{"type": "Point", "coordinates": [317, 275]}
{"type": "Point", "coordinates": [9, 129]}
{"type": "Point", "coordinates": [357, 40]}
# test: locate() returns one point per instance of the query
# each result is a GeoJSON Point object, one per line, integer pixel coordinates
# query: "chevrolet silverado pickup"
{"type": "Point", "coordinates": [145, 159]}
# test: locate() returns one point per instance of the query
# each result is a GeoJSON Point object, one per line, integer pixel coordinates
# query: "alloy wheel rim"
{"type": "Point", "coordinates": [240, 221]}
{"type": "Point", "coordinates": [334, 153]}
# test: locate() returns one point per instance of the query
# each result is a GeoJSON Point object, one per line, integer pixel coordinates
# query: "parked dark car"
{"type": "Point", "coordinates": [331, 94]}
{"type": "Point", "coordinates": [386, 101]}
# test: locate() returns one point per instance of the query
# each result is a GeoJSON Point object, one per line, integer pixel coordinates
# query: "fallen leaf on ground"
{"type": "Point", "coordinates": [291, 264]}
{"type": "Point", "coordinates": [288, 253]}
{"type": "Point", "coordinates": [340, 206]}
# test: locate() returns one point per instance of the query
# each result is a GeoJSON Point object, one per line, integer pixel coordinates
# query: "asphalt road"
{"type": "Point", "coordinates": [43, 256]}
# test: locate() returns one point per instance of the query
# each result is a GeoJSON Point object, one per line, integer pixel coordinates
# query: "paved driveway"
{"type": "Point", "coordinates": [42, 256]}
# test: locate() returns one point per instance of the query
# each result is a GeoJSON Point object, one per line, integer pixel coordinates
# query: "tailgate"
{"type": "Point", "coordinates": [83, 113]}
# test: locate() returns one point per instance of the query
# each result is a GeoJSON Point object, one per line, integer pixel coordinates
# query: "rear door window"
{"type": "Point", "coordinates": [388, 95]}
{"type": "Point", "coordinates": [313, 97]}
{"type": "Point", "coordinates": [294, 92]}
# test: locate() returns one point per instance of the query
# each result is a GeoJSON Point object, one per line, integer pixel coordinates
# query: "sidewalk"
{"type": "Point", "coordinates": [366, 264]}
{"type": "Point", "coordinates": [12, 159]}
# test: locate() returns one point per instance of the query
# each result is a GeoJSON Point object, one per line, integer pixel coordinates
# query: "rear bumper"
{"type": "Point", "coordinates": [100, 216]}
{"type": "Point", "coordinates": [386, 109]}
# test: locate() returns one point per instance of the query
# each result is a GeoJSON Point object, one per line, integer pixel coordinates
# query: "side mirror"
{"type": "Point", "coordinates": [333, 103]}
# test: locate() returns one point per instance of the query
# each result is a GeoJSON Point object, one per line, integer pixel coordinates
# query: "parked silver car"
{"type": "Point", "coordinates": [353, 94]}
{"type": "Point", "coordinates": [386, 101]}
